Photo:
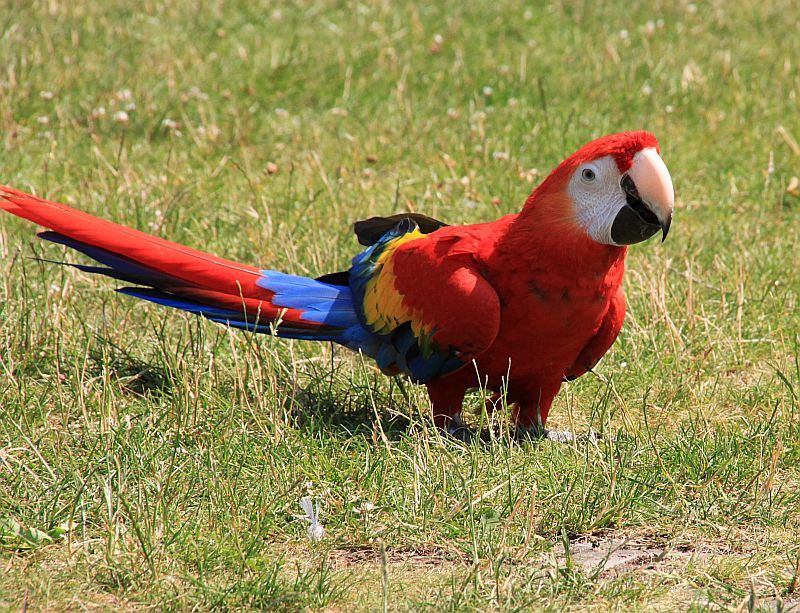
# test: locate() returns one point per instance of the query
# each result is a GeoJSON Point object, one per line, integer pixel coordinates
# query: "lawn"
{"type": "Point", "coordinates": [149, 459]}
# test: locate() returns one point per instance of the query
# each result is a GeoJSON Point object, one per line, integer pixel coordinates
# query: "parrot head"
{"type": "Point", "coordinates": [618, 189]}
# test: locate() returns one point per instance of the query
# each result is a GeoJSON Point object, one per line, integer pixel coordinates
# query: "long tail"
{"type": "Point", "coordinates": [170, 274]}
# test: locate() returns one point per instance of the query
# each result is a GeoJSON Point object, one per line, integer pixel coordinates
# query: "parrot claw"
{"type": "Point", "coordinates": [538, 433]}
{"type": "Point", "coordinates": [459, 430]}
{"type": "Point", "coordinates": [559, 436]}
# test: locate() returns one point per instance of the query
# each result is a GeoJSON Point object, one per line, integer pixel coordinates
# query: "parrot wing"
{"type": "Point", "coordinates": [423, 297]}
{"type": "Point", "coordinates": [370, 231]}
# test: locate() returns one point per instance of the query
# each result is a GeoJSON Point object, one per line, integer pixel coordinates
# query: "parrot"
{"type": "Point", "coordinates": [516, 306]}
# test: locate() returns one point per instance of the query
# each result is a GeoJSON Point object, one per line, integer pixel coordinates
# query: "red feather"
{"type": "Point", "coordinates": [197, 275]}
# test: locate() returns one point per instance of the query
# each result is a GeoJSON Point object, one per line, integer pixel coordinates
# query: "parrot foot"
{"type": "Point", "coordinates": [459, 430]}
{"type": "Point", "coordinates": [538, 433]}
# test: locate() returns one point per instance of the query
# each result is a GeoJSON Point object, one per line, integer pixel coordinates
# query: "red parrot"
{"type": "Point", "coordinates": [515, 305]}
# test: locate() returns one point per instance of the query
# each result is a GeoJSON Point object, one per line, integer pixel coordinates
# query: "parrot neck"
{"type": "Point", "coordinates": [544, 233]}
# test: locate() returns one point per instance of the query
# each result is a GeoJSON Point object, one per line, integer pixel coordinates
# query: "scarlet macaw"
{"type": "Point", "coordinates": [518, 304]}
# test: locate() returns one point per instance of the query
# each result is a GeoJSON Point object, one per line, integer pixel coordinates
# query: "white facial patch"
{"type": "Point", "coordinates": [597, 197]}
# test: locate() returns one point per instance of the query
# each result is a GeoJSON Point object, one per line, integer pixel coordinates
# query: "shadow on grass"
{"type": "Point", "coordinates": [318, 409]}
{"type": "Point", "coordinates": [134, 375]}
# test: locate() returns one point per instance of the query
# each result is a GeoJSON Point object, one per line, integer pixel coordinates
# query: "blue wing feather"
{"type": "Point", "coordinates": [398, 349]}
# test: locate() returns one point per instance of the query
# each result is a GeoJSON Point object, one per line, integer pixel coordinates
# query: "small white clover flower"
{"type": "Point", "coordinates": [196, 92]}
{"type": "Point", "coordinates": [315, 530]}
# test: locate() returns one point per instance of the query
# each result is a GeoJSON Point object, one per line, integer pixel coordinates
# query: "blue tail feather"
{"type": "Point", "coordinates": [321, 303]}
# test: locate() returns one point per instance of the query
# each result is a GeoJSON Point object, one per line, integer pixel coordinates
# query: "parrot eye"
{"type": "Point", "coordinates": [588, 174]}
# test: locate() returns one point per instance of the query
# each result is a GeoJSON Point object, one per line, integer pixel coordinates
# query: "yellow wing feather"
{"type": "Point", "coordinates": [383, 304]}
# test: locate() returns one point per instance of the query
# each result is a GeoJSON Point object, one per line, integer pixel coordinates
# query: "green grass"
{"type": "Point", "coordinates": [149, 459]}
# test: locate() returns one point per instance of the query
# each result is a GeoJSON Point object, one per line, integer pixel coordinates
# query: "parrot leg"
{"type": "Point", "coordinates": [533, 405]}
{"type": "Point", "coordinates": [530, 413]}
{"type": "Point", "coordinates": [446, 398]}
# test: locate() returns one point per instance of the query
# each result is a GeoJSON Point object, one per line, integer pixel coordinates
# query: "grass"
{"type": "Point", "coordinates": [148, 459]}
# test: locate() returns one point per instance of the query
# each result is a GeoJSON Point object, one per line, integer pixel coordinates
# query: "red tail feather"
{"type": "Point", "coordinates": [197, 275]}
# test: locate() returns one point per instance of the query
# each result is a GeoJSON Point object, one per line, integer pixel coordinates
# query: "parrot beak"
{"type": "Point", "coordinates": [650, 200]}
